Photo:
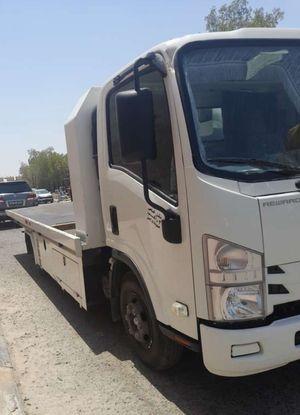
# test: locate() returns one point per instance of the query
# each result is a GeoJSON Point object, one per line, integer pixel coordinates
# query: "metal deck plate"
{"type": "Point", "coordinates": [51, 214]}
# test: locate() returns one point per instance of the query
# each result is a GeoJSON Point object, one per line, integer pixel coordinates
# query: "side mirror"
{"type": "Point", "coordinates": [136, 125]}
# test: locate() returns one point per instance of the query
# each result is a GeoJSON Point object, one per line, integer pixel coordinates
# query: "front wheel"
{"type": "Point", "coordinates": [152, 347]}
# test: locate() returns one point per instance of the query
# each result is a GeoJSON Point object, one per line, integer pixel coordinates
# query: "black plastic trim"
{"type": "Point", "coordinates": [94, 139]}
{"type": "Point", "coordinates": [274, 289]}
{"type": "Point", "coordinates": [153, 59]}
{"type": "Point", "coordinates": [176, 336]}
{"type": "Point", "coordinates": [197, 159]}
{"type": "Point", "coordinates": [280, 312]}
{"type": "Point", "coordinates": [275, 269]}
{"type": "Point", "coordinates": [114, 220]}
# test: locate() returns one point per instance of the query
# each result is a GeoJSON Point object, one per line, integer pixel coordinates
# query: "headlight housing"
{"type": "Point", "coordinates": [234, 281]}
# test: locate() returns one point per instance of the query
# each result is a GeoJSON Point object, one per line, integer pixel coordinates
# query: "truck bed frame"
{"type": "Point", "coordinates": [50, 234]}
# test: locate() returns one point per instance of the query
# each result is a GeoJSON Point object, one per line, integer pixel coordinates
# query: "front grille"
{"type": "Point", "coordinates": [15, 203]}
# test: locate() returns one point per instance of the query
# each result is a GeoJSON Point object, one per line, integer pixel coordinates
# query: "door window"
{"type": "Point", "coordinates": [161, 171]}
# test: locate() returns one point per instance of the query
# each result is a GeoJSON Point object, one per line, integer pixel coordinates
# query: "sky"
{"type": "Point", "coordinates": [54, 50]}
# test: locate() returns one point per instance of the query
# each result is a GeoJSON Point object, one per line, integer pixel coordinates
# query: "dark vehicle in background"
{"type": "Point", "coordinates": [14, 195]}
{"type": "Point", "coordinates": [43, 196]}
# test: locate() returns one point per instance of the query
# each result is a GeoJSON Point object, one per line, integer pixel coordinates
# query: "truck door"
{"type": "Point", "coordinates": [132, 226]}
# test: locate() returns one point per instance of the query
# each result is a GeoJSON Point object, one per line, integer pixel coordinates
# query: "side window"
{"type": "Point", "coordinates": [113, 133]}
{"type": "Point", "coordinates": [161, 171]}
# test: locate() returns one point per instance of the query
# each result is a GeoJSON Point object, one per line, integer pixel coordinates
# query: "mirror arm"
{"type": "Point", "coordinates": [152, 59]}
{"type": "Point", "coordinates": [136, 76]}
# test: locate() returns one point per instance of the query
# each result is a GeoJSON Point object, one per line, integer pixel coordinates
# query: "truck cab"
{"type": "Point", "coordinates": [226, 125]}
{"type": "Point", "coordinates": [191, 154]}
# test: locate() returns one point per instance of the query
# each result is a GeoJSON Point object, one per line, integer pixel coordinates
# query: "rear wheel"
{"type": "Point", "coordinates": [152, 347]}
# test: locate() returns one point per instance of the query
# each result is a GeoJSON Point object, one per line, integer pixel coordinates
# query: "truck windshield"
{"type": "Point", "coordinates": [14, 187]}
{"type": "Point", "coordinates": [244, 102]}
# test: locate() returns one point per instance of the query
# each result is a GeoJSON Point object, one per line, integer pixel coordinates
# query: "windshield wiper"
{"type": "Point", "coordinates": [282, 168]}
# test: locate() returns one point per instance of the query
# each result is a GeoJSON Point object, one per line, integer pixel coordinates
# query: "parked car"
{"type": "Point", "coordinates": [14, 195]}
{"type": "Point", "coordinates": [44, 196]}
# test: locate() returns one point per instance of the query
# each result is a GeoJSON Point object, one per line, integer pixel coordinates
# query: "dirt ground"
{"type": "Point", "coordinates": [69, 361]}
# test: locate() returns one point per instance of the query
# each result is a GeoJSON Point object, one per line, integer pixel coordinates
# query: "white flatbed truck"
{"type": "Point", "coordinates": [185, 172]}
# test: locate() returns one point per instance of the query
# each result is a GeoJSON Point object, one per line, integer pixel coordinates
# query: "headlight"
{"type": "Point", "coordinates": [234, 280]}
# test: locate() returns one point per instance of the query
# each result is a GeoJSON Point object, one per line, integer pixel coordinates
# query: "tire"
{"type": "Point", "coordinates": [152, 347]}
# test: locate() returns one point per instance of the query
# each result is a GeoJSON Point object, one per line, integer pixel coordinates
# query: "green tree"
{"type": "Point", "coordinates": [45, 169]}
{"type": "Point", "coordinates": [239, 14]}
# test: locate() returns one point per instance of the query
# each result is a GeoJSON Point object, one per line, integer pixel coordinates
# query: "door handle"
{"type": "Point", "coordinates": [171, 227]}
{"type": "Point", "coordinates": [114, 220]}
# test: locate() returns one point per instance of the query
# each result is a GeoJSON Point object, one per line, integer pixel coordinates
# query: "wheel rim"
{"type": "Point", "coordinates": [137, 320]}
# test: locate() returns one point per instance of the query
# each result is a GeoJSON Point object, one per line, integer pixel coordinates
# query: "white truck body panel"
{"type": "Point", "coordinates": [267, 188]}
{"type": "Point", "coordinates": [83, 170]}
{"type": "Point", "coordinates": [277, 348]}
{"type": "Point", "coordinates": [215, 210]}
{"type": "Point", "coordinates": [65, 267]}
{"type": "Point", "coordinates": [280, 216]}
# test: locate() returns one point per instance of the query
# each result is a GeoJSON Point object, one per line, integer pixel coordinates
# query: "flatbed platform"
{"type": "Point", "coordinates": [50, 214]}
{"type": "Point", "coordinates": [55, 222]}
{"type": "Point", "coordinates": [50, 234]}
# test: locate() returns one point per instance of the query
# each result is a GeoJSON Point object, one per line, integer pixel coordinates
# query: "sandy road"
{"type": "Point", "coordinates": [68, 361]}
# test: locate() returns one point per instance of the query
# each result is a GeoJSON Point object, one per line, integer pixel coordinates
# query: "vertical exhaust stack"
{"type": "Point", "coordinates": [81, 138]}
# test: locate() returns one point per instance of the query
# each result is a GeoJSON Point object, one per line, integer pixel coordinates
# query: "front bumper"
{"type": "Point", "coordinates": [45, 200]}
{"type": "Point", "coordinates": [276, 341]}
